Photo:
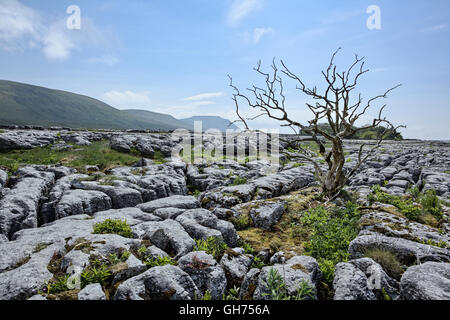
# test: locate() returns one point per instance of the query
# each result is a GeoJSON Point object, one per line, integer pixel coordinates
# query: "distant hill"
{"type": "Point", "coordinates": [158, 119]}
{"type": "Point", "coordinates": [24, 104]}
{"type": "Point", "coordinates": [211, 122]}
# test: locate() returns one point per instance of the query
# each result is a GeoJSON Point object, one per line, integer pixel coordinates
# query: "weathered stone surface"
{"type": "Point", "coordinates": [202, 224]}
{"type": "Point", "coordinates": [236, 267]}
{"type": "Point", "coordinates": [159, 283]}
{"type": "Point", "coordinates": [180, 202]}
{"type": "Point", "coordinates": [428, 281]}
{"type": "Point", "coordinates": [363, 279]}
{"type": "Point", "coordinates": [19, 207]}
{"type": "Point", "coordinates": [409, 252]}
{"type": "Point", "coordinates": [75, 202]}
{"type": "Point", "coordinates": [92, 292]}
{"type": "Point", "coordinates": [205, 272]}
{"type": "Point", "coordinates": [266, 215]}
{"type": "Point", "coordinates": [168, 235]}
{"type": "Point", "coordinates": [249, 284]}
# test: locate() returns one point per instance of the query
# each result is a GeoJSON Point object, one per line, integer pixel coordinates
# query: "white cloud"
{"type": "Point", "coordinates": [434, 28]}
{"type": "Point", "coordinates": [204, 96]}
{"type": "Point", "coordinates": [202, 103]}
{"type": "Point", "coordinates": [258, 33]}
{"type": "Point", "coordinates": [108, 60]}
{"type": "Point", "coordinates": [240, 9]}
{"type": "Point", "coordinates": [126, 99]}
{"type": "Point", "coordinates": [16, 23]}
{"type": "Point", "coordinates": [57, 43]}
{"type": "Point", "coordinates": [22, 27]}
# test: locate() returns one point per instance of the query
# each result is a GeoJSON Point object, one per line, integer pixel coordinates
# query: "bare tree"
{"type": "Point", "coordinates": [334, 106]}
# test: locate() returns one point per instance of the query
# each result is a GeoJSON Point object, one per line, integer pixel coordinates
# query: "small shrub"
{"type": "Point", "coordinates": [241, 222]}
{"type": "Point", "coordinates": [57, 285]}
{"type": "Point", "coordinates": [233, 294]}
{"type": "Point", "coordinates": [212, 246]}
{"type": "Point", "coordinates": [159, 261]}
{"type": "Point", "coordinates": [277, 288]}
{"type": "Point", "coordinates": [95, 275]}
{"type": "Point", "coordinates": [158, 157]}
{"type": "Point", "coordinates": [248, 249]}
{"type": "Point", "coordinates": [331, 233]}
{"type": "Point", "coordinates": [206, 296]}
{"type": "Point", "coordinates": [431, 203]}
{"type": "Point", "coordinates": [114, 226]}
{"type": "Point", "coordinates": [238, 181]}
{"type": "Point", "coordinates": [258, 263]}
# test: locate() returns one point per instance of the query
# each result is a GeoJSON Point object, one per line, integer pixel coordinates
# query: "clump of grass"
{"type": "Point", "coordinates": [238, 181]}
{"type": "Point", "coordinates": [158, 157]}
{"type": "Point", "coordinates": [232, 294]}
{"type": "Point", "coordinates": [92, 274]}
{"type": "Point", "coordinates": [242, 222]}
{"type": "Point", "coordinates": [296, 165]}
{"type": "Point", "coordinates": [387, 259]}
{"type": "Point", "coordinates": [113, 226]}
{"type": "Point", "coordinates": [212, 246]}
{"type": "Point", "coordinates": [248, 249]}
{"type": "Point", "coordinates": [41, 246]}
{"type": "Point", "coordinates": [159, 261]}
{"type": "Point", "coordinates": [57, 285]}
{"type": "Point", "coordinates": [257, 263]}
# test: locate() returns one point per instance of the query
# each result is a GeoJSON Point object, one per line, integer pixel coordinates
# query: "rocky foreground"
{"type": "Point", "coordinates": [57, 224]}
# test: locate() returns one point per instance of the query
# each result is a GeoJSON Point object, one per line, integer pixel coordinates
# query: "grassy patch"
{"type": "Point", "coordinates": [114, 226]}
{"type": "Point", "coordinates": [288, 234]}
{"type": "Point", "coordinates": [97, 154]}
{"type": "Point", "coordinates": [239, 180]}
{"type": "Point", "coordinates": [212, 246]}
{"type": "Point", "coordinates": [159, 261]}
{"type": "Point", "coordinates": [388, 260]}
{"type": "Point", "coordinates": [415, 207]}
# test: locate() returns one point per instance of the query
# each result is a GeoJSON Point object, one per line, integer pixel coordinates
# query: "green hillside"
{"type": "Point", "coordinates": [158, 119]}
{"type": "Point", "coordinates": [24, 104]}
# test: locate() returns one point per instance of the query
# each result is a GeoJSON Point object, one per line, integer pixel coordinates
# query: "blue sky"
{"type": "Point", "coordinates": [173, 56]}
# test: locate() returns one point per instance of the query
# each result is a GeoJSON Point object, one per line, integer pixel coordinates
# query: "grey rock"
{"type": "Point", "coordinates": [18, 208]}
{"type": "Point", "coordinates": [408, 252]}
{"type": "Point", "coordinates": [249, 284]}
{"type": "Point", "coordinates": [363, 279]}
{"type": "Point", "coordinates": [159, 283]}
{"type": "Point", "coordinates": [92, 291]}
{"type": "Point", "coordinates": [180, 202]}
{"type": "Point", "coordinates": [75, 202]}
{"type": "Point", "coordinates": [268, 214]}
{"type": "Point", "coordinates": [236, 267]}
{"type": "Point", "coordinates": [205, 272]}
{"type": "Point", "coordinates": [167, 235]}
{"type": "Point", "coordinates": [350, 283]}
{"type": "Point", "coordinates": [428, 281]}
